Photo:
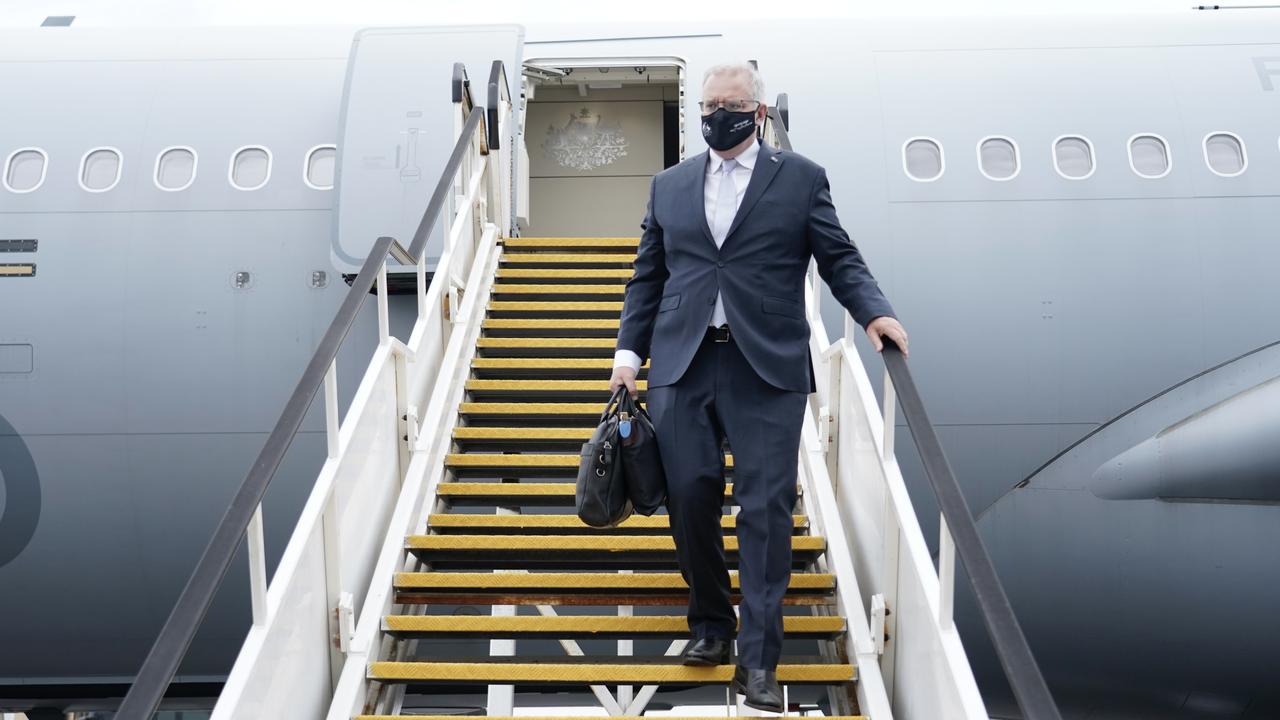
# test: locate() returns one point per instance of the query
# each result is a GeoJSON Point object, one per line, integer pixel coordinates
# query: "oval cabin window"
{"type": "Point", "coordinates": [1073, 157]}
{"type": "Point", "coordinates": [176, 169]}
{"type": "Point", "coordinates": [998, 158]}
{"type": "Point", "coordinates": [250, 168]}
{"type": "Point", "coordinates": [1149, 156]}
{"type": "Point", "coordinates": [922, 159]}
{"type": "Point", "coordinates": [321, 164]}
{"type": "Point", "coordinates": [100, 170]}
{"type": "Point", "coordinates": [24, 170]}
{"type": "Point", "coordinates": [1225, 154]}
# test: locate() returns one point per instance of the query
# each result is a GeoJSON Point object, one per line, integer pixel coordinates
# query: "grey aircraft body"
{"type": "Point", "coordinates": [1076, 219]}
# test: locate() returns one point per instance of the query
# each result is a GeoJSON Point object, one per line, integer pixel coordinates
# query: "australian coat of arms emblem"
{"type": "Point", "coordinates": [585, 142]}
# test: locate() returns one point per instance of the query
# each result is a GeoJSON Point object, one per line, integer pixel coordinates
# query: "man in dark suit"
{"type": "Point", "coordinates": [717, 304]}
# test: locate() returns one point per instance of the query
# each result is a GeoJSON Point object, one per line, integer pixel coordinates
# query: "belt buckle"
{"type": "Point", "coordinates": [720, 334]}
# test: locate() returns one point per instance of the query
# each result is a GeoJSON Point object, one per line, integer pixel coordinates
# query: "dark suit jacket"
{"type": "Point", "coordinates": [785, 218]}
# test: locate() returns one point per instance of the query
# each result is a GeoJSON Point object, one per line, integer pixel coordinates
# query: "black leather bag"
{"type": "Point", "coordinates": [641, 462]}
{"type": "Point", "coordinates": [601, 493]}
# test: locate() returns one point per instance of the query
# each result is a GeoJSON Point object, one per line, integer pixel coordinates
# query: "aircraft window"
{"type": "Point", "coordinates": [1073, 157]}
{"type": "Point", "coordinates": [922, 159]}
{"type": "Point", "coordinates": [998, 158]}
{"type": "Point", "coordinates": [1224, 152]}
{"type": "Point", "coordinates": [1149, 156]}
{"type": "Point", "coordinates": [100, 169]}
{"type": "Point", "coordinates": [175, 168]}
{"type": "Point", "coordinates": [24, 170]}
{"type": "Point", "coordinates": [250, 167]}
{"type": "Point", "coordinates": [319, 170]}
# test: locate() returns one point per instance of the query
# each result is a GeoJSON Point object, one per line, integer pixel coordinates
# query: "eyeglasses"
{"type": "Point", "coordinates": [731, 105]}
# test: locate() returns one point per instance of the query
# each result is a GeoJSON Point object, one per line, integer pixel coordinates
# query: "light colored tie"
{"type": "Point", "coordinates": [726, 202]}
{"type": "Point", "coordinates": [726, 208]}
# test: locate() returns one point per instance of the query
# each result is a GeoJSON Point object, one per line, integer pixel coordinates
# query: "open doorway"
{"type": "Point", "coordinates": [596, 131]}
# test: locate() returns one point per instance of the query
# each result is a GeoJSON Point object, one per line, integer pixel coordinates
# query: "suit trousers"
{"type": "Point", "coordinates": [720, 396]}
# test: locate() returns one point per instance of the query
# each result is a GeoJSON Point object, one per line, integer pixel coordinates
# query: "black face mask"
{"type": "Point", "coordinates": [723, 129]}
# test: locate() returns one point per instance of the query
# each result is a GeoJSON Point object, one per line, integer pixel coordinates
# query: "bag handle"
{"type": "Point", "coordinates": [614, 401]}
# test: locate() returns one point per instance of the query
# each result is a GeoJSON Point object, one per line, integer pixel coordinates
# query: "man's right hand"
{"type": "Point", "coordinates": [623, 375]}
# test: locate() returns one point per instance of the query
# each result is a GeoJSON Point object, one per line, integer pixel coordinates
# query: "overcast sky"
{"type": "Point", "coordinates": [30, 13]}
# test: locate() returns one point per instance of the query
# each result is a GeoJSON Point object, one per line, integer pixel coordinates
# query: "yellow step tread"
{"type": "Point", "coordinates": [610, 543]}
{"type": "Point", "coordinates": [543, 363]}
{"type": "Point", "coordinates": [547, 385]}
{"type": "Point", "coordinates": [594, 674]}
{"type": "Point", "coordinates": [583, 623]}
{"type": "Point", "coordinates": [521, 433]}
{"type": "Point", "coordinates": [524, 460]}
{"type": "Point", "coordinates": [549, 257]}
{"type": "Point", "coordinates": [564, 273]}
{"type": "Point", "coordinates": [552, 306]}
{"type": "Point", "coordinates": [581, 580]}
{"type": "Point", "coordinates": [530, 489]}
{"type": "Point", "coordinates": [520, 342]}
{"type": "Point", "coordinates": [539, 323]}
{"type": "Point", "coordinates": [559, 288]}
{"type": "Point", "coordinates": [479, 521]}
{"type": "Point", "coordinates": [571, 241]}
{"type": "Point", "coordinates": [568, 718]}
{"type": "Point", "coordinates": [525, 408]}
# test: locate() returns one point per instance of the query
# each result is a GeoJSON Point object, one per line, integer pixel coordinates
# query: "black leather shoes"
{"type": "Point", "coordinates": [708, 651]}
{"type": "Point", "coordinates": [760, 687]}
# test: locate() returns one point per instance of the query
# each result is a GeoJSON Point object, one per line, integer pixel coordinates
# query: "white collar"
{"type": "Point", "coordinates": [746, 158]}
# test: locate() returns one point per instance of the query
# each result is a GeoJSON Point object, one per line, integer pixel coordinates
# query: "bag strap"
{"type": "Point", "coordinates": [633, 406]}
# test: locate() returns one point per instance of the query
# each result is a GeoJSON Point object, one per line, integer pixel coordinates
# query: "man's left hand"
{"type": "Point", "coordinates": [890, 328]}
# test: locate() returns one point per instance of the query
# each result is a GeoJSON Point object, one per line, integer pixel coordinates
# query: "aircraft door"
{"type": "Point", "coordinates": [398, 127]}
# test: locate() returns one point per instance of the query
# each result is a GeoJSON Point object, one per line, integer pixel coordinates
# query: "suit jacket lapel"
{"type": "Point", "coordinates": [767, 162]}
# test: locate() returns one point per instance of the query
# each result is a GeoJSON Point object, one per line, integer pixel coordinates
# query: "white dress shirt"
{"type": "Point", "coordinates": [741, 176]}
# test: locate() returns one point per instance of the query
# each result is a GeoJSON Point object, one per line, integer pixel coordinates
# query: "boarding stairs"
{"type": "Point", "coordinates": [539, 381]}
{"type": "Point", "coordinates": [448, 490]}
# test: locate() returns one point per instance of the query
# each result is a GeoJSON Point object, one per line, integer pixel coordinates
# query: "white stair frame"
{"type": "Point", "coordinates": [855, 491]}
{"type": "Point", "coordinates": [294, 656]}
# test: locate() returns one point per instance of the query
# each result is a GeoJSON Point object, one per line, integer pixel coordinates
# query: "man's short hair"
{"type": "Point", "coordinates": [757, 82]}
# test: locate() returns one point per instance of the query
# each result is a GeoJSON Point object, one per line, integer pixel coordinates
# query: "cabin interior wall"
{"type": "Point", "coordinates": [592, 154]}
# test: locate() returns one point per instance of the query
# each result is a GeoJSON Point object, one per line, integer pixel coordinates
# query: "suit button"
{"type": "Point", "coordinates": [720, 264]}
{"type": "Point", "coordinates": [711, 300]}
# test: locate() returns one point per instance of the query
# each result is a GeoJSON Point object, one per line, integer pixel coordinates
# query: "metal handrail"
{"type": "Point", "coordinates": [776, 119]}
{"type": "Point", "coordinates": [498, 91]}
{"type": "Point", "coordinates": [148, 689]}
{"type": "Point", "coordinates": [1019, 664]}
{"type": "Point", "coordinates": [460, 87]}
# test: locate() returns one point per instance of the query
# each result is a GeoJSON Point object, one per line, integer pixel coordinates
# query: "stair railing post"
{"type": "Point", "coordinates": [946, 575]}
{"type": "Point", "coordinates": [479, 207]}
{"type": "Point", "coordinates": [889, 407]}
{"type": "Point", "coordinates": [331, 410]}
{"type": "Point", "coordinates": [420, 273]}
{"type": "Point", "coordinates": [830, 410]}
{"type": "Point", "coordinates": [257, 568]}
{"type": "Point", "coordinates": [890, 567]}
{"type": "Point", "coordinates": [384, 322]}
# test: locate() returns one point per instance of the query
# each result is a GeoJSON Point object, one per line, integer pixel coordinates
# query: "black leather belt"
{"type": "Point", "coordinates": [718, 334]}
